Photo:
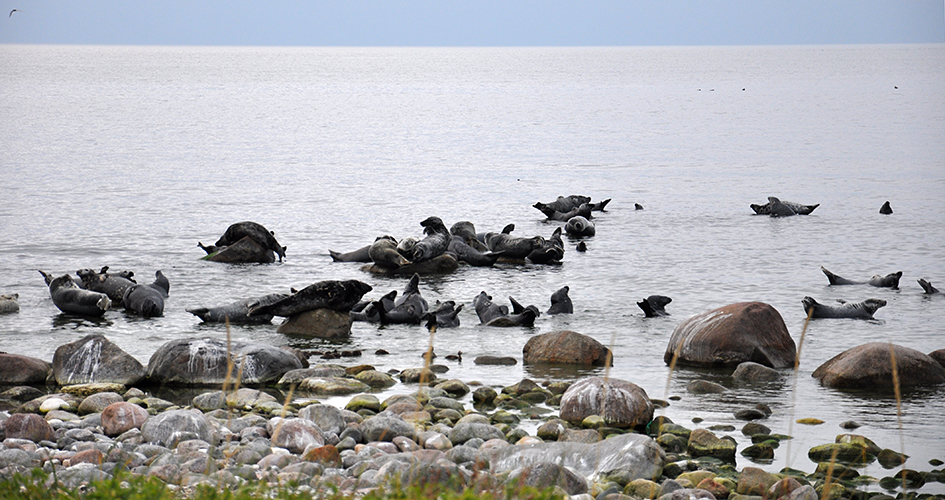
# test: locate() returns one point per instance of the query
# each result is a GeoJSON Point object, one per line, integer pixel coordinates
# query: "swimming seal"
{"type": "Point", "coordinates": [383, 252]}
{"type": "Point", "coordinates": [855, 310]}
{"type": "Point", "coordinates": [491, 314]}
{"type": "Point", "coordinates": [331, 294]}
{"type": "Point", "coordinates": [561, 302]}
{"type": "Point", "coordinates": [891, 280]}
{"type": "Point", "coordinates": [580, 227]}
{"type": "Point", "coordinates": [929, 289]}
{"type": "Point", "coordinates": [885, 209]}
{"type": "Point", "coordinates": [9, 304]}
{"type": "Point", "coordinates": [238, 312]}
{"type": "Point", "coordinates": [256, 231]}
{"type": "Point", "coordinates": [778, 208]}
{"type": "Point", "coordinates": [113, 285]}
{"type": "Point", "coordinates": [435, 242]}
{"type": "Point", "coordinates": [654, 305]}
{"type": "Point", "coordinates": [71, 299]}
{"type": "Point", "coordinates": [147, 300]}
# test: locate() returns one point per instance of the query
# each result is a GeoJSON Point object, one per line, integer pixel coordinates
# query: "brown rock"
{"type": "Point", "coordinates": [17, 370]}
{"type": "Point", "coordinates": [565, 347]}
{"type": "Point", "coordinates": [618, 402]}
{"type": "Point", "coordinates": [28, 426]}
{"type": "Point", "coordinates": [319, 323]}
{"type": "Point", "coordinates": [870, 366]}
{"type": "Point", "coordinates": [90, 456]}
{"type": "Point", "coordinates": [729, 335]}
{"type": "Point", "coordinates": [98, 402]}
{"type": "Point", "coordinates": [938, 356]}
{"type": "Point", "coordinates": [327, 456]}
{"type": "Point", "coordinates": [121, 417]}
{"type": "Point", "coordinates": [754, 481]}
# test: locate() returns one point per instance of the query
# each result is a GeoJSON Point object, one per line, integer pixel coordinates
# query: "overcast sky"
{"type": "Point", "coordinates": [472, 22]}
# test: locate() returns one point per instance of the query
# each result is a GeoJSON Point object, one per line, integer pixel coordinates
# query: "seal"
{"type": "Point", "coordinates": [565, 204]}
{"type": "Point", "coordinates": [71, 299]}
{"type": "Point", "coordinates": [383, 252]}
{"type": "Point", "coordinates": [466, 231]}
{"type": "Point", "coordinates": [408, 309]}
{"type": "Point", "coordinates": [885, 209]}
{"type": "Point", "coordinates": [330, 294]}
{"type": "Point", "coordinates": [929, 289]}
{"type": "Point", "coordinates": [855, 310]}
{"type": "Point", "coordinates": [492, 314]}
{"type": "Point", "coordinates": [580, 227]}
{"type": "Point", "coordinates": [435, 242]}
{"type": "Point", "coordinates": [561, 302]}
{"type": "Point", "coordinates": [9, 304]}
{"type": "Point", "coordinates": [584, 210]}
{"type": "Point", "coordinates": [550, 252]}
{"type": "Point", "coordinates": [466, 253]}
{"type": "Point", "coordinates": [359, 255]}
{"type": "Point", "coordinates": [113, 285]}
{"type": "Point", "coordinates": [891, 280]}
{"type": "Point", "coordinates": [255, 231]}
{"type": "Point", "coordinates": [237, 312]}
{"type": "Point", "coordinates": [655, 306]}
{"type": "Point", "coordinates": [443, 315]}
{"type": "Point", "coordinates": [147, 300]}
{"type": "Point", "coordinates": [778, 208]}
{"type": "Point", "coordinates": [512, 246]}
{"type": "Point", "coordinates": [366, 310]}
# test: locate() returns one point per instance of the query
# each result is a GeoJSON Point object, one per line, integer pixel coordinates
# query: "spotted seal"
{"type": "Point", "coordinates": [435, 242]}
{"type": "Point", "coordinates": [580, 227]}
{"type": "Point", "coordinates": [71, 299]}
{"type": "Point", "coordinates": [492, 314]}
{"type": "Point", "coordinates": [891, 280]}
{"type": "Point", "coordinates": [112, 284]}
{"type": "Point", "coordinates": [856, 310]}
{"type": "Point", "coordinates": [360, 255]}
{"type": "Point", "coordinates": [551, 250]}
{"type": "Point", "coordinates": [443, 315]}
{"type": "Point", "coordinates": [778, 208]}
{"type": "Point", "coordinates": [330, 294]}
{"type": "Point", "coordinates": [929, 289]}
{"type": "Point", "coordinates": [9, 303]}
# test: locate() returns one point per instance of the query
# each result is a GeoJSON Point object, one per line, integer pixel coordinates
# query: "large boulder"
{"type": "Point", "coordinates": [29, 426]}
{"type": "Point", "coordinates": [95, 359]}
{"type": "Point", "coordinates": [321, 323]}
{"type": "Point", "coordinates": [618, 402]}
{"type": "Point", "coordinates": [733, 334]}
{"type": "Point", "coordinates": [870, 366]}
{"type": "Point", "coordinates": [565, 347]}
{"type": "Point", "coordinates": [203, 362]}
{"type": "Point", "coordinates": [16, 369]}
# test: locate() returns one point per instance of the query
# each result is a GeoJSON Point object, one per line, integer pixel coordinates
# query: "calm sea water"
{"type": "Point", "coordinates": [128, 156]}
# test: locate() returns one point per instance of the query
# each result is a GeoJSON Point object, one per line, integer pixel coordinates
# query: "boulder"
{"type": "Point", "coordinates": [335, 386]}
{"type": "Point", "coordinates": [328, 418]}
{"type": "Point", "coordinates": [95, 359]}
{"type": "Point", "coordinates": [618, 402]}
{"type": "Point", "coordinates": [244, 251]}
{"type": "Point", "coordinates": [28, 426]}
{"type": "Point", "coordinates": [18, 370]}
{"type": "Point", "coordinates": [203, 362]}
{"type": "Point", "coordinates": [938, 356]}
{"type": "Point", "coordinates": [546, 475]}
{"type": "Point", "coordinates": [173, 426]}
{"type": "Point", "coordinates": [121, 417]}
{"type": "Point", "coordinates": [295, 434]}
{"type": "Point", "coordinates": [565, 347]}
{"type": "Point", "coordinates": [703, 443]}
{"type": "Point", "coordinates": [750, 371]}
{"type": "Point", "coordinates": [385, 426]}
{"type": "Point", "coordinates": [321, 323]}
{"type": "Point", "coordinates": [870, 366]}
{"type": "Point", "coordinates": [97, 403]}
{"type": "Point", "coordinates": [495, 360]}
{"type": "Point", "coordinates": [733, 334]}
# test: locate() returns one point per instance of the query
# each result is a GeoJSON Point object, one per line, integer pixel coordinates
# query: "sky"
{"type": "Point", "coordinates": [472, 22]}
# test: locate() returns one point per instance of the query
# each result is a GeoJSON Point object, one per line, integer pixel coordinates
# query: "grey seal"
{"type": "Point", "coordinates": [330, 294]}
{"type": "Point", "coordinates": [567, 203]}
{"type": "Point", "coordinates": [584, 210]}
{"type": "Point", "coordinates": [513, 246]}
{"type": "Point", "coordinates": [435, 242]}
{"type": "Point", "coordinates": [71, 299]}
{"type": "Point", "coordinates": [467, 232]}
{"type": "Point", "coordinates": [580, 227]}
{"type": "Point", "coordinates": [855, 310]}
{"type": "Point", "coordinates": [929, 289]}
{"type": "Point", "coordinates": [238, 312]}
{"type": "Point", "coordinates": [443, 315]}
{"type": "Point", "coordinates": [885, 209]}
{"type": "Point", "coordinates": [778, 208]}
{"type": "Point", "coordinates": [408, 309]}
{"type": "Point", "coordinates": [464, 252]}
{"type": "Point", "coordinates": [9, 304]}
{"type": "Point", "coordinates": [383, 252]}
{"type": "Point", "coordinates": [561, 302]}
{"type": "Point", "coordinates": [147, 300]}
{"type": "Point", "coordinates": [492, 314]}
{"type": "Point", "coordinates": [256, 231]}
{"type": "Point", "coordinates": [891, 280]}
{"type": "Point", "coordinates": [113, 285]}
{"type": "Point", "coordinates": [655, 305]}
{"type": "Point", "coordinates": [360, 255]}
{"type": "Point", "coordinates": [551, 250]}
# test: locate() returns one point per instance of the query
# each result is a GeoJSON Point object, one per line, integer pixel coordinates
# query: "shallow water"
{"type": "Point", "coordinates": [128, 156]}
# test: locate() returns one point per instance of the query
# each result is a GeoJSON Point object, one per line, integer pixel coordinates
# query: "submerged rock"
{"type": "Point", "coordinates": [565, 347]}
{"type": "Point", "coordinates": [870, 366]}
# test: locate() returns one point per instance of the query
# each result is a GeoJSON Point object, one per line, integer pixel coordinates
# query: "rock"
{"type": "Point", "coordinates": [687, 494]}
{"type": "Point", "coordinates": [375, 379]}
{"type": "Point", "coordinates": [891, 459]}
{"type": "Point", "coordinates": [733, 334]}
{"type": "Point", "coordinates": [364, 401]}
{"type": "Point", "coordinates": [704, 387]}
{"type": "Point", "coordinates": [321, 371]}
{"type": "Point", "coordinates": [750, 414]}
{"type": "Point", "coordinates": [484, 395]}
{"type": "Point", "coordinates": [543, 475]}
{"type": "Point", "coordinates": [244, 251]}
{"type": "Point", "coordinates": [21, 370]}
{"type": "Point", "coordinates": [753, 428]}
{"type": "Point", "coordinates": [385, 426]}
{"type": "Point", "coordinates": [295, 434]}
{"type": "Point", "coordinates": [415, 375]}
{"type": "Point", "coordinates": [209, 401]}
{"type": "Point", "coordinates": [938, 356]}
{"type": "Point", "coordinates": [751, 372]}
{"type": "Point", "coordinates": [172, 426]}
{"type": "Point", "coordinates": [21, 393]}
{"type": "Point", "coordinates": [96, 403]}
{"type": "Point", "coordinates": [95, 359]}
{"type": "Point", "coordinates": [642, 488]}
{"type": "Point", "coordinates": [28, 426]}
{"type": "Point", "coordinates": [620, 403]}
{"type": "Point", "coordinates": [636, 455]}
{"type": "Point", "coordinates": [119, 418]}
{"type": "Point", "coordinates": [328, 418]}
{"type": "Point", "coordinates": [86, 390]}
{"type": "Point", "coordinates": [203, 361]}
{"type": "Point", "coordinates": [703, 443]}
{"type": "Point", "coordinates": [550, 430]}
{"type": "Point", "coordinates": [844, 453]}
{"type": "Point", "coordinates": [565, 347]}
{"type": "Point", "coordinates": [327, 455]}
{"type": "Point", "coordinates": [455, 388]}
{"type": "Point", "coordinates": [333, 386]}
{"type": "Point", "coordinates": [754, 481]}
{"type": "Point", "coordinates": [319, 323]}
{"type": "Point", "coordinates": [759, 451]}
{"type": "Point", "coordinates": [246, 398]}
{"type": "Point", "coordinates": [470, 430]}
{"type": "Point", "coordinates": [495, 360]}
{"type": "Point", "coordinates": [870, 366]}
{"type": "Point", "coordinates": [782, 488]}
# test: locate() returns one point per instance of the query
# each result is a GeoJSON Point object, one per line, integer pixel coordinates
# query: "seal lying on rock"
{"type": "Point", "coordinates": [255, 231]}
{"type": "Point", "coordinates": [9, 304]}
{"type": "Point", "coordinates": [891, 280]}
{"type": "Point", "coordinates": [359, 255]}
{"type": "Point", "coordinates": [929, 289]}
{"type": "Point", "coordinates": [71, 299]}
{"type": "Point", "coordinates": [654, 305]}
{"type": "Point", "coordinates": [330, 294]}
{"type": "Point", "coordinates": [776, 205]}
{"type": "Point", "coordinates": [856, 310]}
{"type": "Point", "coordinates": [465, 253]}
{"type": "Point", "coordinates": [238, 312]}
{"type": "Point", "coordinates": [435, 242]}
{"type": "Point", "coordinates": [113, 285]}
{"type": "Point", "coordinates": [147, 300]}
{"type": "Point", "coordinates": [491, 314]}
{"type": "Point", "coordinates": [383, 252]}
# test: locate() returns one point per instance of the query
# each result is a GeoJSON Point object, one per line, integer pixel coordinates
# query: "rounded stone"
{"type": "Point", "coordinates": [121, 417]}
{"type": "Point", "coordinates": [618, 402]}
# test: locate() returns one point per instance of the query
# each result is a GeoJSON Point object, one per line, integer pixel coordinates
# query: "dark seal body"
{"type": "Point", "coordinates": [113, 285]}
{"type": "Point", "coordinates": [330, 294]}
{"type": "Point", "coordinates": [580, 227]}
{"type": "Point", "coordinates": [470, 255]}
{"type": "Point", "coordinates": [854, 310]}
{"type": "Point", "coordinates": [9, 304]}
{"type": "Point", "coordinates": [71, 299]}
{"type": "Point", "coordinates": [550, 252]}
{"type": "Point", "coordinates": [655, 306]}
{"type": "Point", "coordinates": [383, 252]}
{"type": "Point", "coordinates": [929, 289]}
{"type": "Point", "coordinates": [147, 300]}
{"type": "Point", "coordinates": [885, 209]}
{"type": "Point", "coordinates": [513, 246]}
{"type": "Point", "coordinates": [436, 241]}
{"type": "Point", "coordinates": [255, 231]}
{"type": "Point", "coordinates": [443, 314]}
{"type": "Point", "coordinates": [238, 312]}
{"type": "Point", "coordinates": [774, 204]}
{"type": "Point", "coordinates": [561, 302]}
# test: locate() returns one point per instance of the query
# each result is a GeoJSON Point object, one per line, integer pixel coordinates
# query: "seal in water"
{"type": "Point", "coordinates": [561, 302]}
{"type": "Point", "coordinates": [436, 241]}
{"type": "Point", "coordinates": [466, 253]}
{"type": "Point", "coordinates": [9, 304]}
{"type": "Point", "coordinates": [513, 246]}
{"type": "Point", "coordinates": [580, 227]}
{"type": "Point", "coordinates": [237, 312]}
{"type": "Point", "coordinates": [71, 299]}
{"type": "Point", "coordinates": [147, 300]}
{"type": "Point", "coordinates": [491, 314]}
{"type": "Point", "coordinates": [584, 210]}
{"type": "Point", "coordinates": [443, 315]}
{"type": "Point", "coordinates": [855, 310]}
{"type": "Point", "coordinates": [113, 285]}
{"type": "Point", "coordinates": [776, 205]}
{"type": "Point", "coordinates": [467, 232]}
{"type": "Point", "coordinates": [891, 280]}
{"type": "Point", "coordinates": [654, 305]}
{"type": "Point", "coordinates": [383, 252]}
{"type": "Point", "coordinates": [885, 209]}
{"type": "Point", "coordinates": [255, 231]}
{"type": "Point", "coordinates": [550, 252]}
{"type": "Point", "coordinates": [330, 294]}
{"type": "Point", "coordinates": [567, 203]}
{"type": "Point", "coordinates": [408, 309]}
{"type": "Point", "coordinates": [929, 289]}
{"type": "Point", "coordinates": [359, 255]}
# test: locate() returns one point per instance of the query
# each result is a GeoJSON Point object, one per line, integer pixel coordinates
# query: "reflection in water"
{"type": "Point", "coordinates": [72, 322]}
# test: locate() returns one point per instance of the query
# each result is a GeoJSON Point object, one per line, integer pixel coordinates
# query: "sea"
{"type": "Point", "coordinates": [128, 156]}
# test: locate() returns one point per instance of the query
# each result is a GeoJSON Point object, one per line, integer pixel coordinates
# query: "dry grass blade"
{"type": "Point", "coordinates": [797, 365]}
